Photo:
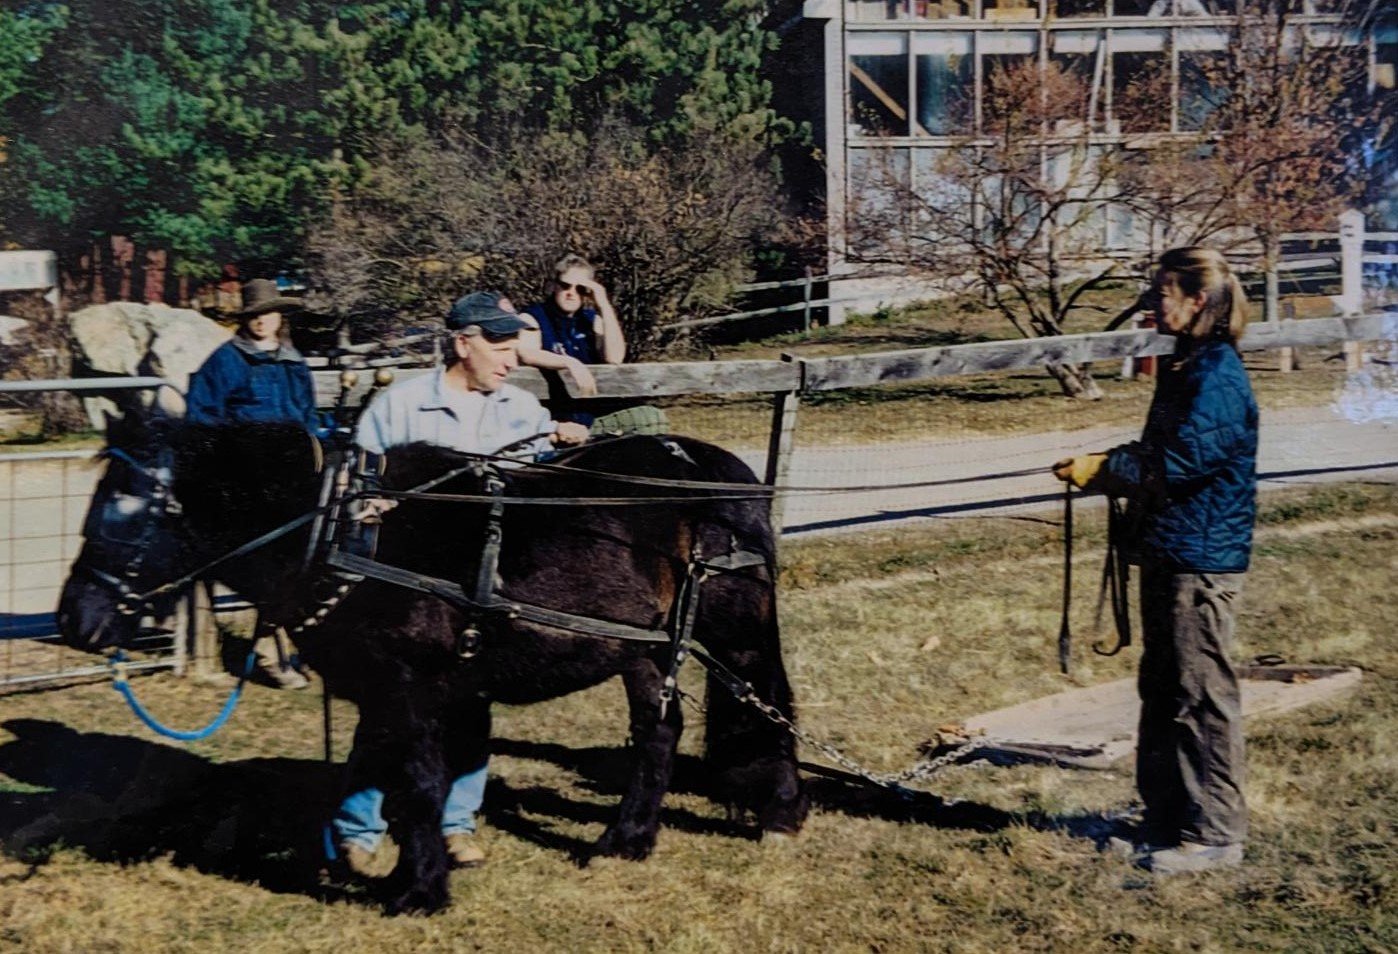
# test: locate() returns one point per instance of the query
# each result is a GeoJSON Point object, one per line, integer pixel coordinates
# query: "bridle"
{"type": "Point", "coordinates": [157, 506]}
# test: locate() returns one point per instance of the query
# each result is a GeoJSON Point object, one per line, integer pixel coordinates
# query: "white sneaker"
{"type": "Point", "coordinates": [1190, 857]}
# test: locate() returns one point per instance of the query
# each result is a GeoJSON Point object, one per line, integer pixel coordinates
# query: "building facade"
{"type": "Point", "coordinates": [907, 80]}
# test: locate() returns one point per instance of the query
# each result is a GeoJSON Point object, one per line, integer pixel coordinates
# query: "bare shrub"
{"type": "Point", "coordinates": [671, 228]}
{"type": "Point", "coordinates": [1011, 213]}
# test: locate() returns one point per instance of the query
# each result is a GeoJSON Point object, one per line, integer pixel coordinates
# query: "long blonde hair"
{"type": "Point", "coordinates": [1197, 269]}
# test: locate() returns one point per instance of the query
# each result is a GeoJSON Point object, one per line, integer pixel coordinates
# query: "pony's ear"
{"type": "Point", "coordinates": [130, 431]}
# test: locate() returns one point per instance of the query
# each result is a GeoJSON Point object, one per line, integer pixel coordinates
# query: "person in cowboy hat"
{"type": "Point", "coordinates": [257, 376]}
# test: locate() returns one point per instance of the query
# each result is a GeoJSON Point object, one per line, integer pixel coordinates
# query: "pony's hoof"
{"type": "Point", "coordinates": [613, 844]}
{"type": "Point", "coordinates": [779, 840]}
{"type": "Point", "coordinates": [418, 901]}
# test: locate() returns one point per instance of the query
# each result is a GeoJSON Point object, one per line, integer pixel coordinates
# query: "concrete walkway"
{"type": "Point", "coordinates": [1095, 726]}
{"type": "Point", "coordinates": [1006, 476]}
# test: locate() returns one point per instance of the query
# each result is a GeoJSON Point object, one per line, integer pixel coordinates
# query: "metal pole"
{"type": "Point", "coordinates": [1352, 279]}
{"type": "Point", "coordinates": [806, 311]}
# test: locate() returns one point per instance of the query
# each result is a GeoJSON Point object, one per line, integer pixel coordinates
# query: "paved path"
{"type": "Point", "coordinates": [984, 476]}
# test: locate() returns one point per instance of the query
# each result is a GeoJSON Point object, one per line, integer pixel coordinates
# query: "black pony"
{"type": "Point", "coordinates": [397, 653]}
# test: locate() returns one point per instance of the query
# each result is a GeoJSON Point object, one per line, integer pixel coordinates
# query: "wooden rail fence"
{"type": "Point", "coordinates": [785, 381]}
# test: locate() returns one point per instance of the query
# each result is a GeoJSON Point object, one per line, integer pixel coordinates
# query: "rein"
{"type": "Point", "coordinates": [1116, 577]}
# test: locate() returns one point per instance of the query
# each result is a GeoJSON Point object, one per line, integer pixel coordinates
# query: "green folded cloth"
{"type": "Point", "coordinates": [644, 419]}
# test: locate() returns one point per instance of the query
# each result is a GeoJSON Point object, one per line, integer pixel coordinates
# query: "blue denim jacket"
{"type": "Point", "coordinates": [239, 384]}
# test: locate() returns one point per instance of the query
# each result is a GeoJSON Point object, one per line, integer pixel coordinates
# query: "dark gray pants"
{"type": "Point", "coordinates": [1189, 757]}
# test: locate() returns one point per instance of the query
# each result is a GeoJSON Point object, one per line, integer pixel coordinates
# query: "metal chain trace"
{"type": "Point", "coordinates": [894, 781]}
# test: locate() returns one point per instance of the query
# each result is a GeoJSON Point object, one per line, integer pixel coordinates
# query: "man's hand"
{"type": "Point", "coordinates": [1079, 471]}
{"type": "Point", "coordinates": [372, 509]}
{"type": "Point", "coordinates": [569, 432]}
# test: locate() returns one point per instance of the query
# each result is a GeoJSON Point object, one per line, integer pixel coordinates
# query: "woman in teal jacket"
{"type": "Point", "coordinates": [1192, 483]}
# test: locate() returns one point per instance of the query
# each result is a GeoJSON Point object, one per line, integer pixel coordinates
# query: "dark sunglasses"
{"type": "Point", "coordinates": [564, 286]}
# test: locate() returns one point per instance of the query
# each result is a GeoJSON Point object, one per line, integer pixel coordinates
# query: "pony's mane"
{"type": "Point", "coordinates": [228, 471]}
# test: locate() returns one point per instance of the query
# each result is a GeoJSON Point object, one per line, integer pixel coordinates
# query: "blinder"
{"type": "Point", "coordinates": [121, 525]}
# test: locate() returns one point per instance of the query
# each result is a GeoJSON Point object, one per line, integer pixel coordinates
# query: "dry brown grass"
{"type": "Point", "coordinates": [116, 842]}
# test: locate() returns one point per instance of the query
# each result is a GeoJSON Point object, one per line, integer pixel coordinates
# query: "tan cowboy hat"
{"type": "Point", "coordinates": [260, 296]}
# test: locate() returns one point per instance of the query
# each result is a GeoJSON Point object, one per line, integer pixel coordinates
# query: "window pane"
{"type": "Point", "coordinates": [877, 201]}
{"type": "Point", "coordinates": [1076, 190]}
{"type": "Point", "coordinates": [1385, 67]}
{"type": "Point", "coordinates": [1012, 93]}
{"type": "Point", "coordinates": [866, 10]}
{"type": "Point", "coordinates": [1203, 87]}
{"type": "Point", "coordinates": [943, 9]}
{"type": "Point", "coordinates": [1133, 172]}
{"type": "Point", "coordinates": [1077, 8]}
{"type": "Point", "coordinates": [1010, 9]}
{"type": "Point", "coordinates": [1010, 199]}
{"type": "Point", "coordinates": [878, 69]}
{"type": "Point", "coordinates": [942, 211]}
{"type": "Point", "coordinates": [1073, 69]}
{"type": "Point", "coordinates": [1141, 92]}
{"type": "Point", "coordinates": [945, 83]}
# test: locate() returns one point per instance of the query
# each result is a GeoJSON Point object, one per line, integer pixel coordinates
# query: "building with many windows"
{"type": "Point", "coordinates": [907, 80]}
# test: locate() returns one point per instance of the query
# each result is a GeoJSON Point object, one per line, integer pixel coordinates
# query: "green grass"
{"type": "Point", "coordinates": [29, 442]}
{"type": "Point", "coordinates": [115, 842]}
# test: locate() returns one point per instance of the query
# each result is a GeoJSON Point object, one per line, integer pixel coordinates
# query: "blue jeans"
{"type": "Point", "coordinates": [360, 821]}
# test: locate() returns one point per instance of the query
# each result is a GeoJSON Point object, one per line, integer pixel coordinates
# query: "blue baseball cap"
{"type": "Point", "coordinates": [482, 310]}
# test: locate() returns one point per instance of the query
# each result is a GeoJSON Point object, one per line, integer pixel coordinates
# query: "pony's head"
{"type": "Point", "coordinates": [174, 497]}
{"type": "Point", "coordinates": [132, 541]}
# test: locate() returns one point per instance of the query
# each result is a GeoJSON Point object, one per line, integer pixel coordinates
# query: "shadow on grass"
{"type": "Point", "coordinates": [126, 800]}
{"type": "Point", "coordinates": [605, 771]}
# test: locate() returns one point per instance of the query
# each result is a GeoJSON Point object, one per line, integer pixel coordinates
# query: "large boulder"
{"type": "Point", "coordinates": [124, 338]}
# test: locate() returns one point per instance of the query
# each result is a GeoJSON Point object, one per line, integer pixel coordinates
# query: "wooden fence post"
{"type": "Point", "coordinates": [1286, 357]}
{"type": "Point", "coordinates": [1352, 279]}
{"type": "Point", "coordinates": [201, 631]}
{"type": "Point", "coordinates": [779, 442]}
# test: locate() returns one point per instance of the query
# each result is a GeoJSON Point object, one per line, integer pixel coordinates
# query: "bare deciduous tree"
{"type": "Point", "coordinates": [1284, 119]}
{"type": "Point", "coordinates": [1265, 134]}
{"type": "Point", "coordinates": [1015, 213]}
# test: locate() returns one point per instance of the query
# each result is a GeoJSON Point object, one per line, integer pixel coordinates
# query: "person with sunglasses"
{"type": "Point", "coordinates": [577, 319]}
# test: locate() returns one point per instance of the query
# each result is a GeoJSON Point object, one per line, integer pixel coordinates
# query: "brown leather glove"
{"type": "Point", "coordinates": [1079, 471]}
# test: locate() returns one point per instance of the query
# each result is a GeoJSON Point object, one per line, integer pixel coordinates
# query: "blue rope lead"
{"type": "Point", "coordinates": [120, 684]}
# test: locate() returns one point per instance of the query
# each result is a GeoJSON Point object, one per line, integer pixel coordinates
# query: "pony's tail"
{"type": "Point", "coordinates": [753, 756]}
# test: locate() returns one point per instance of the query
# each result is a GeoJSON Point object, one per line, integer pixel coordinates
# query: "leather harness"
{"type": "Point", "coordinates": [483, 601]}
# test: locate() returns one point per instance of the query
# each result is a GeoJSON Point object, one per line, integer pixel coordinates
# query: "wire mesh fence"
{"type": "Point", "coordinates": [43, 501]}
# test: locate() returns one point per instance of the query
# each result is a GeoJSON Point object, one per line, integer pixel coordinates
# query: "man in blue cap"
{"type": "Point", "coordinates": [467, 406]}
